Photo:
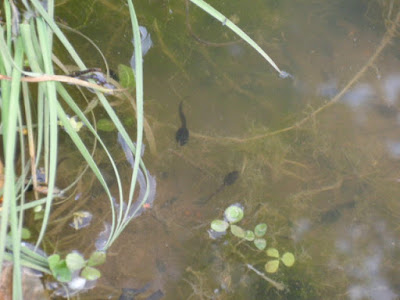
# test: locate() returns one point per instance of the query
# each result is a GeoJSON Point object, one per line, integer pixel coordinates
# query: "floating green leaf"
{"type": "Point", "coordinates": [219, 225]}
{"type": "Point", "coordinates": [126, 76]}
{"type": "Point", "coordinates": [90, 273]}
{"type": "Point", "coordinates": [260, 229]}
{"type": "Point", "coordinates": [272, 266]}
{"type": "Point", "coordinates": [260, 243]}
{"type": "Point", "coordinates": [25, 234]}
{"type": "Point", "coordinates": [238, 231]}
{"type": "Point", "coordinates": [53, 261]}
{"type": "Point", "coordinates": [250, 235]}
{"type": "Point", "coordinates": [63, 274]}
{"type": "Point", "coordinates": [59, 268]}
{"type": "Point", "coordinates": [97, 258]}
{"type": "Point", "coordinates": [234, 213]}
{"type": "Point", "coordinates": [288, 259]}
{"type": "Point", "coordinates": [105, 125]}
{"type": "Point", "coordinates": [75, 261]}
{"type": "Point", "coordinates": [272, 252]}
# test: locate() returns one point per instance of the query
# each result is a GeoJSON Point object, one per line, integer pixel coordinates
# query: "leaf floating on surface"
{"type": "Point", "coordinates": [272, 266]}
{"type": "Point", "coordinates": [219, 225]}
{"type": "Point", "coordinates": [260, 229]}
{"type": "Point", "coordinates": [75, 261]}
{"type": "Point", "coordinates": [272, 252]}
{"type": "Point", "coordinates": [238, 231]}
{"type": "Point", "coordinates": [250, 235]}
{"type": "Point", "coordinates": [288, 259]}
{"type": "Point", "coordinates": [234, 213]}
{"type": "Point", "coordinates": [90, 273]}
{"type": "Point", "coordinates": [260, 244]}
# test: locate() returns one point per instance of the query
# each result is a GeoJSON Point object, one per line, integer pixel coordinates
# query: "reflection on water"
{"type": "Point", "coordinates": [327, 187]}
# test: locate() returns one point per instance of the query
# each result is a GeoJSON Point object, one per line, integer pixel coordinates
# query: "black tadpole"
{"type": "Point", "coordinates": [229, 179]}
{"type": "Point", "coordinates": [182, 135]}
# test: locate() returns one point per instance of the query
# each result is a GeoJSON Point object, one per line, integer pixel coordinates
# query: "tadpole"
{"type": "Point", "coordinates": [229, 179]}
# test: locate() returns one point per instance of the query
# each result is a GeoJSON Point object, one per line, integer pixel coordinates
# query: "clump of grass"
{"type": "Point", "coordinates": [28, 85]}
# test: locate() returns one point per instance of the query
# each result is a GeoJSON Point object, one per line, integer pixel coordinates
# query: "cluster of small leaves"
{"type": "Point", "coordinates": [63, 269]}
{"type": "Point", "coordinates": [234, 214]}
{"type": "Point", "coordinates": [272, 266]}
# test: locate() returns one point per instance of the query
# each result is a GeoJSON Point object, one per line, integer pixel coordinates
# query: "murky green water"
{"type": "Point", "coordinates": [327, 185]}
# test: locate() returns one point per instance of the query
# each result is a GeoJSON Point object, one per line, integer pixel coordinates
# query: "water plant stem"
{"type": "Point", "coordinates": [279, 286]}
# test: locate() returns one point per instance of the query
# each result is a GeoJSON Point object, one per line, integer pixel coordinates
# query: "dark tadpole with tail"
{"type": "Point", "coordinates": [229, 179]}
{"type": "Point", "coordinates": [182, 135]}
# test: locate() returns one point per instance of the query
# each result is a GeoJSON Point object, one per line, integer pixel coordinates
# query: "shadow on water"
{"type": "Point", "coordinates": [327, 187]}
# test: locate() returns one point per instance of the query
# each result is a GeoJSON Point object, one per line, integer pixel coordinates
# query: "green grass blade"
{"type": "Point", "coordinates": [51, 103]}
{"type": "Point", "coordinates": [225, 21]}
{"type": "Point", "coordinates": [9, 204]}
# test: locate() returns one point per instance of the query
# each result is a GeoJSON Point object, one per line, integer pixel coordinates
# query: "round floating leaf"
{"type": "Point", "coordinates": [250, 235]}
{"type": "Point", "coordinates": [59, 268]}
{"type": "Point", "coordinates": [272, 266]}
{"type": "Point", "coordinates": [272, 252]}
{"type": "Point", "coordinates": [234, 213]}
{"type": "Point", "coordinates": [260, 229]}
{"type": "Point", "coordinates": [105, 125]}
{"type": "Point", "coordinates": [75, 261]}
{"type": "Point", "coordinates": [219, 225]}
{"type": "Point", "coordinates": [90, 273]}
{"type": "Point", "coordinates": [260, 244]}
{"type": "Point", "coordinates": [53, 261]}
{"type": "Point", "coordinates": [62, 273]}
{"type": "Point", "coordinates": [288, 259]}
{"type": "Point", "coordinates": [238, 231]}
{"type": "Point", "coordinates": [97, 258]}
{"type": "Point", "coordinates": [25, 234]}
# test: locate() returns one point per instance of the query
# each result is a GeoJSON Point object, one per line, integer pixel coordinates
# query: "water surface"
{"type": "Point", "coordinates": [328, 187]}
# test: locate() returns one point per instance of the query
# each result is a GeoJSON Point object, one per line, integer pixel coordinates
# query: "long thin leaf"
{"type": "Point", "coordinates": [225, 21]}
{"type": "Point", "coordinates": [51, 97]}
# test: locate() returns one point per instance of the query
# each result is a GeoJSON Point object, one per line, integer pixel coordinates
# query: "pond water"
{"type": "Point", "coordinates": [321, 170]}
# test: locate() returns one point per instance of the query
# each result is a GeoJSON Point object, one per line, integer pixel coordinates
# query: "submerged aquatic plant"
{"type": "Point", "coordinates": [233, 214]}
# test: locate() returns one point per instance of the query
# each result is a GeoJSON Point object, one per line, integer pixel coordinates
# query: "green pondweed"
{"type": "Point", "coordinates": [74, 265]}
{"type": "Point", "coordinates": [234, 214]}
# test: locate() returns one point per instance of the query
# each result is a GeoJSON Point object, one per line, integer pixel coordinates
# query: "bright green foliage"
{"type": "Point", "coordinates": [25, 234]}
{"type": "Point", "coordinates": [97, 258]}
{"type": "Point", "coordinates": [272, 266]}
{"type": "Point", "coordinates": [75, 261]}
{"type": "Point", "coordinates": [90, 273]}
{"type": "Point", "coordinates": [272, 252]}
{"type": "Point", "coordinates": [62, 269]}
{"type": "Point", "coordinates": [260, 243]}
{"type": "Point", "coordinates": [288, 259]}
{"type": "Point", "coordinates": [219, 225]}
{"type": "Point", "coordinates": [238, 231]}
{"type": "Point", "coordinates": [59, 268]}
{"type": "Point", "coordinates": [234, 214]}
{"type": "Point", "coordinates": [250, 236]}
{"type": "Point", "coordinates": [260, 229]}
